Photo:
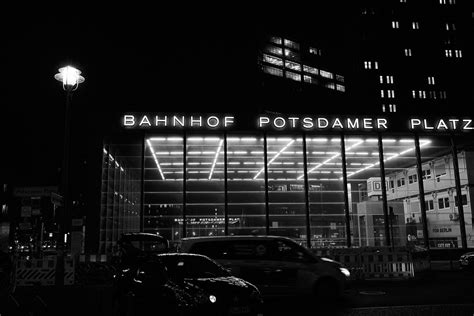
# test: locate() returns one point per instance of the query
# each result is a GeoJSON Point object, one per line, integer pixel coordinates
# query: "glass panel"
{"type": "Point", "coordinates": [205, 185]}
{"type": "Point", "coordinates": [163, 186]}
{"type": "Point", "coordinates": [326, 192]}
{"type": "Point", "coordinates": [120, 192]}
{"type": "Point", "coordinates": [286, 187]}
{"type": "Point", "coordinates": [440, 190]}
{"type": "Point", "coordinates": [246, 190]}
{"type": "Point", "coordinates": [365, 192]}
{"type": "Point", "coordinates": [403, 193]}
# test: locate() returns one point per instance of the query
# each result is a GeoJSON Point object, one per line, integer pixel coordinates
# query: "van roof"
{"type": "Point", "coordinates": [233, 237]}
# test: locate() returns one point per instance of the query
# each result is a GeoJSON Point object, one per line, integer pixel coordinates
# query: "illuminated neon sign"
{"type": "Point", "coordinates": [179, 121]}
{"type": "Point", "coordinates": [322, 123]}
{"type": "Point", "coordinates": [441, 124]}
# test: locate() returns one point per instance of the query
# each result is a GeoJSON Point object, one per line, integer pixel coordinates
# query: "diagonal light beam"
{"type": "Point", "coordinates": [215, 158]}
{"type": "Point", "coordinates": [274, 157]}
{"type": "Point", "coordinates": [156, 159]}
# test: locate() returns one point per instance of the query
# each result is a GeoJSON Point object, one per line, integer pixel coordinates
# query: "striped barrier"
{"type": "Point", "coordinates": [42, 271]}
{"type": "Point", "coordinates": [94, 269]}
{"type": "Point", "coordinates": [375, 263]}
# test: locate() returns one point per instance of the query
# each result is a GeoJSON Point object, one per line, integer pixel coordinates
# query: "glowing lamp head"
{"type": "Point", "coordinates": [70, 78]}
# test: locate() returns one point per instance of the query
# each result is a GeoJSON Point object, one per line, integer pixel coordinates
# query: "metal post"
{"type": "Point", "coordinates": [346, 193]}
{"type": "Point", "coordinates": [64, 215]}
{"type": "Point", "coordinates": [226, 209]}
{"type": "Point", "coordinates": [458, 193]}
{"type": "Point", "coordinates": [184, 184]}
{"type": "Point", "coordinates": [142, 182]}
{"type": "Point", "coordinates": [267, 209]}
{"type": "Point", "coordinates": [384, 192]}
{"type": "Point", "coordinates": [421, 189]}
{"type": "Point", "coordinates": [306, 190]}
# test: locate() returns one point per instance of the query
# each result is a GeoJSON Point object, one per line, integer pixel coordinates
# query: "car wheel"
{"type": "Point", "coordinates": [327, 290]}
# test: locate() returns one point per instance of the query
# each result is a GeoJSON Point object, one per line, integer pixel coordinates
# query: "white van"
{"type": "Point", "coordinates": [276, 265]}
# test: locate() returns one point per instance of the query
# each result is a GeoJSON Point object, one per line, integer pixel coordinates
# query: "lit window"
{"type": "Point", "coordinates": [310, 70]}
{"type": "Point", "coordinates": [382, 94]}
{"type": "Point", "coordinates": [395, 25]}
{"type": "Point", "coordinates": [442, 94]}
{"type": "Point", "coordinates": [274, 50]}
{"type": "Point", "coordinates": [309, 79]}
{"type": "Point", "coordinates": [415, 25]}
{"type": "Point", "coordinates": [393, 107]}
{"type": "Point", "coordinates": [413, 94]}
{"type": "Point", "coordinates": [291, 44]}
{"type": "Point", "coordinates": [367, 65]}
{"type": "Point", "coordinates": [330, 85]}
{"type": "Point", "coordinates": [407, 51]}
{"type": "Point", "coordinates": [431, 80]}
{"type": "Point", "coordinates": [292, 66]}
{"type": "Point", "coordinates": [432, 94]}
{"type": "Point", "coordinates": [376, 65]}
{"type": "Point", "coordinates": [275, 39]}
{"type": "Point", "coordinates": [293, 76]}
{"type": "Point", "coordinates": [339, 78]}
{"type": "Point", "coordinates": [340, 87]}
{"type": "Point", "coordinates": [447, 53]}
{"type": "Point", "coordinates": [273, 71]}
{"type": "Point", "coordinates": [450, 27]}
{"type": "Point", "coordinates": [458, 53]}
{"type": "Point", "coordinates": [326, 74]}
{"type": "Point", "coordinates": [383, 107]}
{"type": "Point", "coordinates": [403, 1]}
{"type": "Point", "coordinates": [391, 94]}
{"type": "Point", "coordinates": [291, 54]}
{"type": "Point", "coordinates": [272, 60]}
{"type": "Point", "coordinates": [315, 51]}
{"type": "Point", "coordinates": [381, 79]}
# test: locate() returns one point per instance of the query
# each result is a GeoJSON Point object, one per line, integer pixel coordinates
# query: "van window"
{"type": "Point", "coordinates": [236, 249]}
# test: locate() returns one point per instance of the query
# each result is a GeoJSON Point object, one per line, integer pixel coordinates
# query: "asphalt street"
{"type": "Point", "coordinates": [435, 293]}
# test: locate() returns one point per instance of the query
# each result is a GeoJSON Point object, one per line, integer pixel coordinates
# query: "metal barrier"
{"type": "Point", "coordinates": [41, 271]}
{"type": "Point", "coordinates": [94, 269]}
{"type": "Point", "coordinates": [376, 263]}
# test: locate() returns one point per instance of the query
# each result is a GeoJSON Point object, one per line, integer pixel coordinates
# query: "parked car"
{"type": "Point", "coordinates": [133, 247]}
{"type": "Point", "coordinates": [276, 265]}
{"type": "Point", "coordinates": [466, 261]}
{"type": "Point", "coordinates": [184, 284]}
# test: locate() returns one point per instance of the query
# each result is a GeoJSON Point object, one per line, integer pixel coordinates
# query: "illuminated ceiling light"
{"type": "Point", "coordinates": [248, 139]}
{"type": "Point", "coordinates": [195, 139]}
{"type": "Point", "coordinates": [256, 152]}
{"type": "Point", "coordinates": [328, 160]}
{"type": "Point", "coordinates": [70, 77]}
{"type": "Point", "coordinates": [372, 140]}
{"type": "Point", "coordinates": [212, 139]}
{"type": "Point", "coordinates": [406, 140]}
{"type": "Point", "coordinates": [319, 140]}
{"type": "Point", "coordinates": [233, 139]}
{"type": "Point", "coordinates": [334, 140]}
{"type": "Point", "coordinates": [105, 151]}
{"type": "Point", "coordinates": [274, 157]}
{"type": "Point", "coordinates": [388, 140]}
{"type": "Point", "coordinates": [215, 158]}
{"type": "Point", "coordinates": [161, 152]}
{"type": "Point", "coordinates": [174, 138]}
{"type": "Point", "coordinates": [156, 159]}
{"type": "Point", "coordinates": [234, 163]}
{"type": "Point", "coordinates": [155, 139]}
{"type": "Point", "coordinates": [240, 152]}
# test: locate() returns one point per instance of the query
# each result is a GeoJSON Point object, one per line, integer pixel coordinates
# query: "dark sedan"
{"type": "Point", "coordinates": [184, 284]}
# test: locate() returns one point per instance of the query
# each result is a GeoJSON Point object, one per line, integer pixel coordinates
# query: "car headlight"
{"type": "Point", "coordinates": [212, 298]}
{"type": "Point", "coordinates": [345, 272]}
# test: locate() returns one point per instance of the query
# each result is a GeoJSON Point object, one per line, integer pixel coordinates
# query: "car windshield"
{"type": "Point", "coordinates": [193, 267]}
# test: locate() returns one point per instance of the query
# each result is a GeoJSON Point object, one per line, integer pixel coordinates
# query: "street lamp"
{"type": "Point", "coordinates": [70, 78]}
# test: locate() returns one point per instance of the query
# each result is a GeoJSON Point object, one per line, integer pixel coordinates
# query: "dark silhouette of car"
{"type": "Point", "coordinates": [466, 261]}
{"type": "Point", "coordinates": [183, 284]}
{"type": "Point", "coordinates": [278, 266]}
{"type": "Point", "coordinates": [135, 247]}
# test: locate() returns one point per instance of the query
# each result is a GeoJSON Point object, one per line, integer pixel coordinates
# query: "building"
{"type": "Point", "coordinates": [337, 126]}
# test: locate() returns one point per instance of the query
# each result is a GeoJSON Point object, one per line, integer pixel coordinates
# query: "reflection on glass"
{"type": "Point", "coordinates": [326, 192]}
{"type": "Point", "coordinates": [403, 193]}
{"type": "Point", "coordinates": [205, 185]}
{"type": "Point", "coordinates": [365, 191]}
{"type": "Point", "coordinates": [440, 193]}
{"type": "Point", "coordinates": [120, 193]}
{"type": "Point", "coordinates": [163, 186]}
{"type": "Point", "coordinates": [287, 206]}
{"type": "Point", "coordinates": [246, 194]}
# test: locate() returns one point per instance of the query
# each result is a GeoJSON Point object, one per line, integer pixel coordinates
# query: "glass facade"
{"type": "Point", "coordinates": [294, 185]}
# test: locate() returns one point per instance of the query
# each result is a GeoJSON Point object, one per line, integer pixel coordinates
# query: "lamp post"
{"type": "Point", "coordinates": [70, 78]}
